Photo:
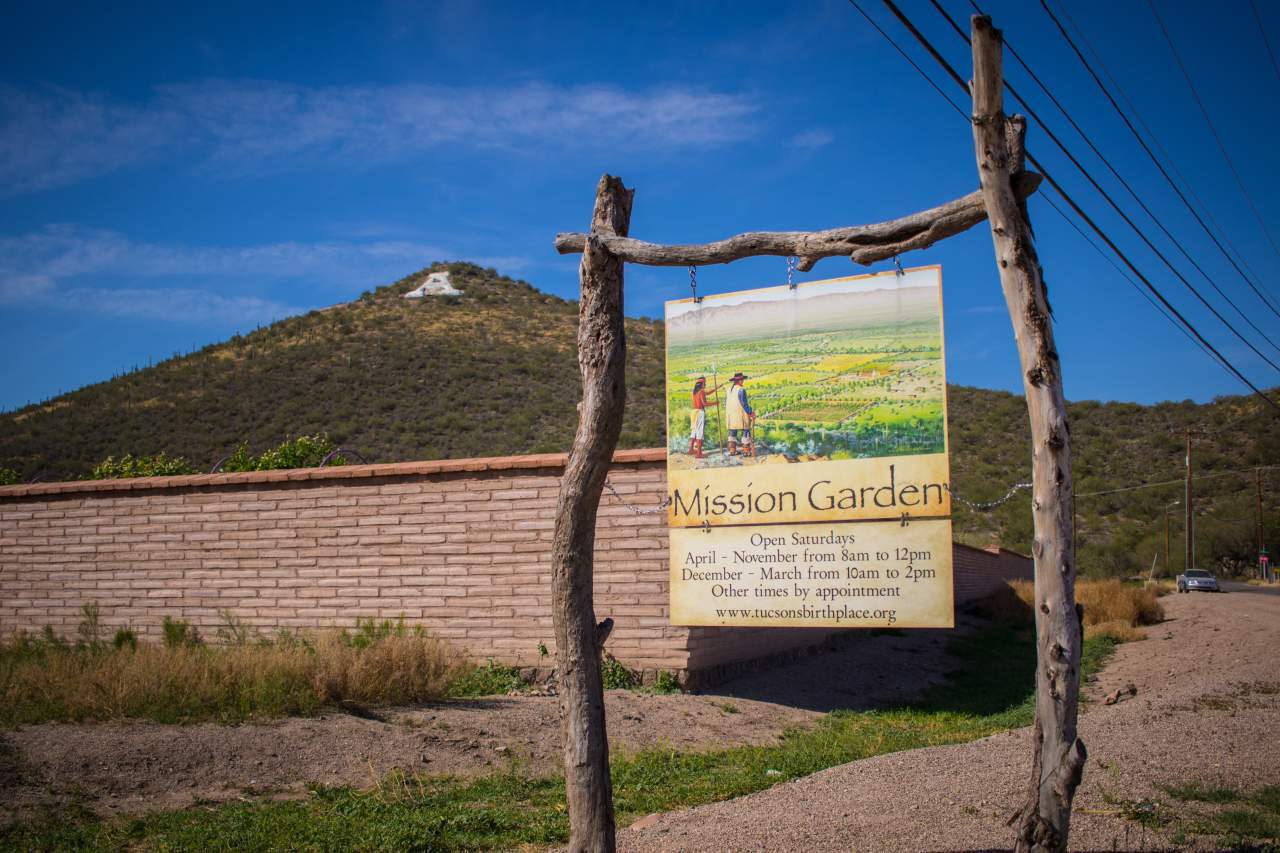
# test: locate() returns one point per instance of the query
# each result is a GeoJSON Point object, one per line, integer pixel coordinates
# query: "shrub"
{"type": "Point", "coordinates": [306, 451]}
{"type": "Point", "coordinates": [8, 476]}
{"type": "Point", "coordinates": [127, 466]}
{"type": "Point", "coordinates": [492, 679]}
{"type": "Point", "coordinates": [615, 676]}
{"type": "Point", "coordinates": [666, 682]}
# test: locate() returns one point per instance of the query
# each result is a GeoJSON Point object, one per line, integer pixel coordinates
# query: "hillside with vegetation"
{"type": "Point", "coordinates": [494, 372]}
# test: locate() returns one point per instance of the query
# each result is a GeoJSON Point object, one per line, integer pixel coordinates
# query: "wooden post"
{"type": "Point", "coordinates": [579, 640]}
{"type": "Point", "coordinates": [1044, 820]}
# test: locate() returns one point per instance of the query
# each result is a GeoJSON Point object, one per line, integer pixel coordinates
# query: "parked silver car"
{"type": "Point", "coordinates": [1197, 579]}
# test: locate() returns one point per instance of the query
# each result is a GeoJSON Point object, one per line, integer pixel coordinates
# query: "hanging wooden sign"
{"type": "Point", "coordinates": [807, 455]}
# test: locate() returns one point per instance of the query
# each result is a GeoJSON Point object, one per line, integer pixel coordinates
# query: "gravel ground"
{"type": "Point", "coordinates": [137, 766]}
{"type": "Point", "coordinates": [1206, 709]}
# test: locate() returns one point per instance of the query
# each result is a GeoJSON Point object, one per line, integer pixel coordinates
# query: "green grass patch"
{"type": "Point", "coordinates": [992, 691]}
{"type": "Point", "coordinates": [1202, 792]}
{"type": "Point", "coordinates": [1251, 823]}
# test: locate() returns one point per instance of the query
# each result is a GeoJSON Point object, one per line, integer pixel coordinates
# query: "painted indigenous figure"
{"type": "Point", "coordinates": [739, 414]}
{"type": "Point", "coordinates": [698, 417]}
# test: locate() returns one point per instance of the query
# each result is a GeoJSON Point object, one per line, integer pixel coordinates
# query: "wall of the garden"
{"type": "Point", "coordinates": [462, 546]}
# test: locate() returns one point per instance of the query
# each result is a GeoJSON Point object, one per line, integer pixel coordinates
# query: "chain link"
{"type": "Point", "coordinates": [791, 271]}
{"type": "Point", "coordinates": [989, 505]}
{"type": "Point", "coordinates": [662, 507]}
{"type": "Point", "coordinates": [693, 283]}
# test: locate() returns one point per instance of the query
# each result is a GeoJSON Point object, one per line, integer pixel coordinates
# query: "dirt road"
{"type": "Point", "coordinates": [1207, 708]}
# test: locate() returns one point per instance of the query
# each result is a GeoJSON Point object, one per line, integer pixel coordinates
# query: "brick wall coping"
{"type": "Point", "coordinates": [337, 472]}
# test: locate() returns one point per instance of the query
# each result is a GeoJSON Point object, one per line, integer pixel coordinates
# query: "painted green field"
{"type": "Point", "coordinates": [871, 391]}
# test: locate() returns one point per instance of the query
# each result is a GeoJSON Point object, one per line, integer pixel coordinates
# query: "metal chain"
{"type": "Point", "coordinates": [693, 283]}
{"type": "Point", "coordinates": [791, 271]}
{"type": "Point", "coordinates": [662, 507]}
{"type": "Point", "coordinates": [989, 505]}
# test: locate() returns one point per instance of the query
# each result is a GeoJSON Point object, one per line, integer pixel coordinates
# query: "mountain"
{"type": "Point", "coordinates": [494, 371]}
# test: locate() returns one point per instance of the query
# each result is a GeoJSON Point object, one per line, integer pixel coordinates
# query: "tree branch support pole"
{"type": "Point", "coordinates": [579, 640]}
{"type": "Point", "coordinates": [1044, 821]}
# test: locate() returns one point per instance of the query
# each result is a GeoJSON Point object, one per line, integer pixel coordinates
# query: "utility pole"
{"type": "Point", "coordinates": [1190, 530]}
{"type": "Point", "coordinates": [1262, 542]}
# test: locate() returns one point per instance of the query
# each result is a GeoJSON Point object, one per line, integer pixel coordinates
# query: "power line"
{"type": "Point", "coordinates": [1212, 129]}
{"type": "Point", "coordinates": [963, 114]}
{"type": "Point", "coordinates": [1074, 206]}
{"type": "Point", "coordinates": [1163, 312]}
{"type": "Point", "coordinates": [1125, 275]}
{"type": "Point", "coordinates": [1102, 87]}
{"type": "Point", "coordinates": [1098, 187]}
{"type": "Point", "coordinates": [1257, 16]}
{"type": "Point", "coordinates": [1179, 481]}
{"type": "Point", "coordinates": [1137, 114]}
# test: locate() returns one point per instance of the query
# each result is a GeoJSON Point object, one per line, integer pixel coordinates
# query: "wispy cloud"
{"type": "Point", "coordinates": [812, 139]}
{"type": "Point", "coordinates": [178, 304]}
{"type": "Point", "coordinates": [53, 137]}
{"type": "Point", "coordinates": [70, 267]}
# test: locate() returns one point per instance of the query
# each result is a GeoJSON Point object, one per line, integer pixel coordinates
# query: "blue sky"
{"type": "Point", "coordinates": [170, 176]}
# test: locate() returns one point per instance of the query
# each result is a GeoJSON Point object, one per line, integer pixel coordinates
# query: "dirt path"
{"type": "Point", "coordinates": [133, 766]}
{"type": "Point", "coordinates": [1206, 709]}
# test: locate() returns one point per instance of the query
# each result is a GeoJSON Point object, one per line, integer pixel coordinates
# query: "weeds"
{"type": "Point", "coordinates": [1251, 823]}
{"type": "Point", "coordinates": [1201, 792]}
{"type": "Point", "coordinates": [44, 678]}
{"type": "Point", "coordinates": [1111, 608]}
{"type": "Point", "coordinates": [615, 676]}
{"type": "Point", "coordinates": [232, 631]}
{"type": "Point", "coordinates": [492, 679]}
{"type": "Point", "coordinates": [179, 633]}
{"type": "Point", "coordinates": [125, 638]}
{"type": "Point", "coordinates": [665, 683]}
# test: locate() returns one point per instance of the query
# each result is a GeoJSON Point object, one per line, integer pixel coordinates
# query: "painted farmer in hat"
{"type": "Point", "coordinates": [739, 414]}
{"type": "Point", "coordinates": [698, 418]}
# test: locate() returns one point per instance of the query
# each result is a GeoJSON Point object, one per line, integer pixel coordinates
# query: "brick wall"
{"type": "Point", "coordinates": [462, 546]}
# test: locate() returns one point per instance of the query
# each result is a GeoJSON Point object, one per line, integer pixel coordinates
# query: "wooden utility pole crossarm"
{"type": "Point", "coordinates": [864, 244]}
{"type": "Point", "coordinates": [1059, 755]}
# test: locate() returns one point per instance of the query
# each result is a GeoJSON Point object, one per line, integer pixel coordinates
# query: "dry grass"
{"type": "Point", "coordinates": [1117, 629]}
{"type": "Point", "coordinates": [1116, 601]}
{"type": "Point", "coordinates": [1111, 607]}
{"type": "Point", "coordinates": [44, 679]}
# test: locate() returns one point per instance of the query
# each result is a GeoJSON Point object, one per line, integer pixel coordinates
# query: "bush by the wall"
{"type": "Point", "coordinates": [305, 451]}
{"type": "Point", "coordinates": [159, 465]}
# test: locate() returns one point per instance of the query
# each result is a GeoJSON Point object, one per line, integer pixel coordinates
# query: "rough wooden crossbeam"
{"type": "Point", "coordinates": [863, 244]}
